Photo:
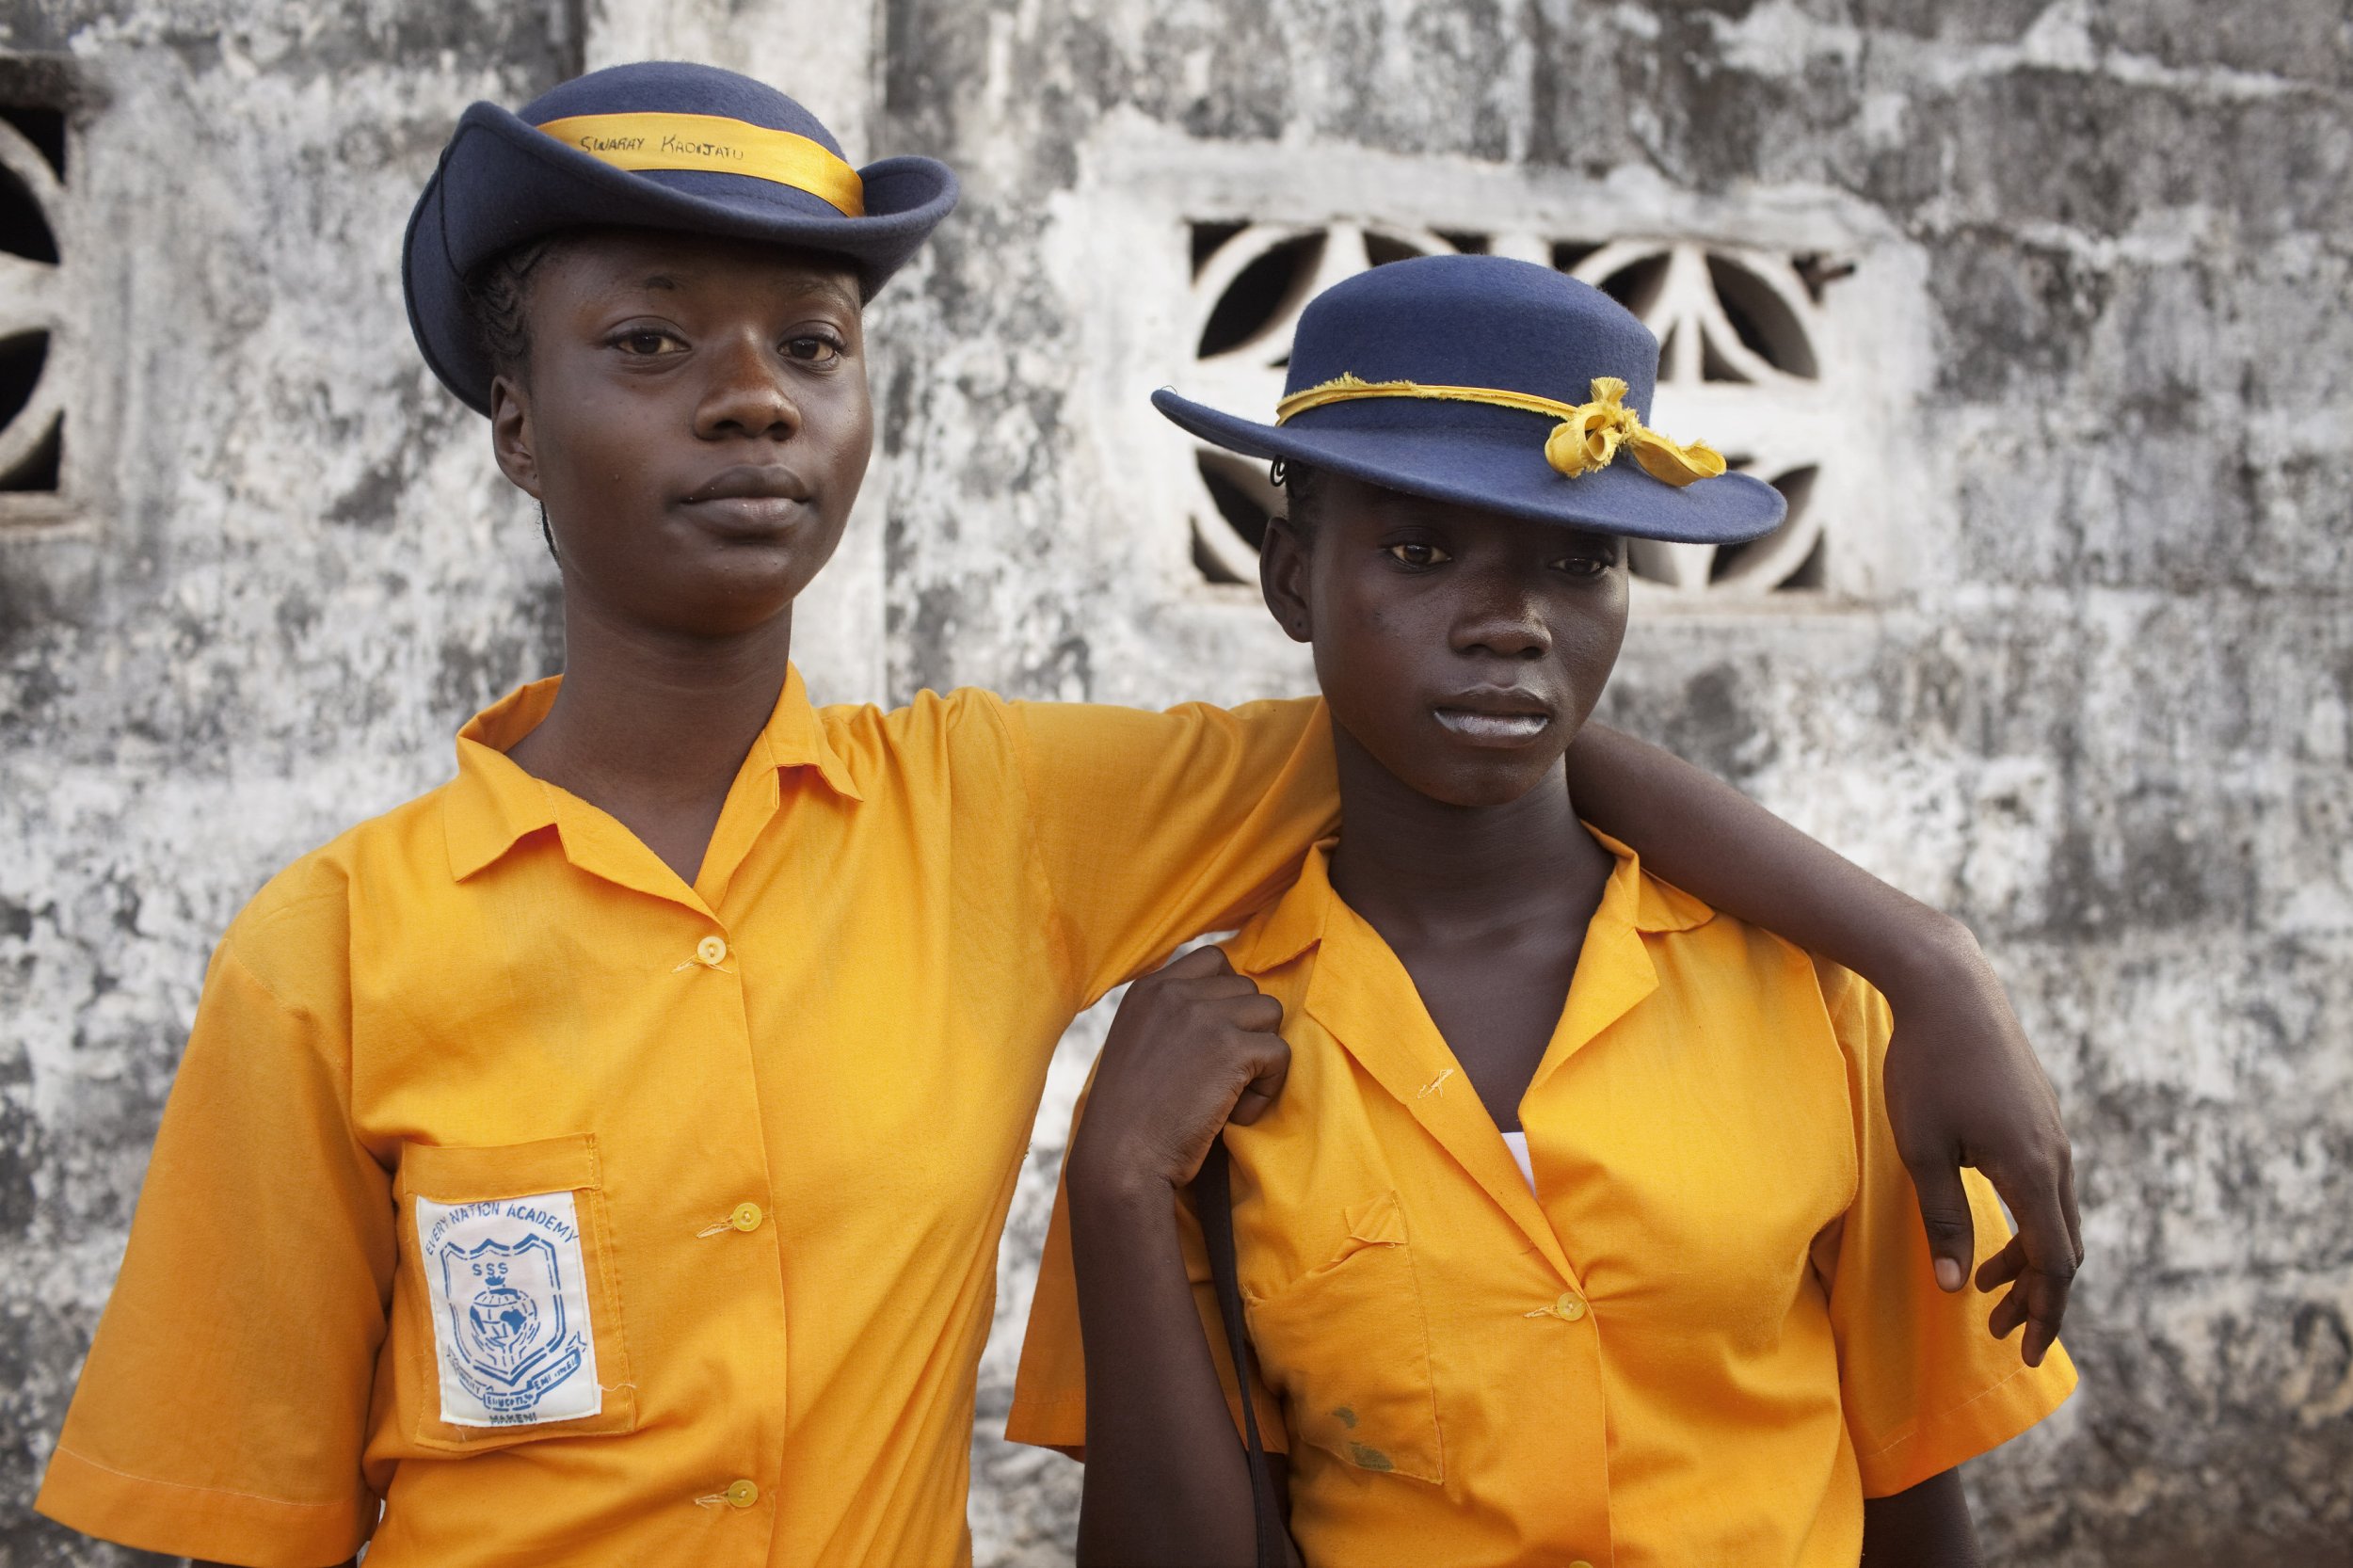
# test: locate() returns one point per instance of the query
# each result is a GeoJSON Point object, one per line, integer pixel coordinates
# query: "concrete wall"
{"type": "Point", "coordinates": [2076, 661]}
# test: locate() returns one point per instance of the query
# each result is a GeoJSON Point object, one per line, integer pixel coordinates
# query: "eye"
{"type": "Point", "coordinates": [1417, 554]}
{"type": "Point", "coordinates": [649, 341]}
{"type": "Point", "coordinates": [1586, 567]}
{"type": "Point", "coordinates": [811, 348]}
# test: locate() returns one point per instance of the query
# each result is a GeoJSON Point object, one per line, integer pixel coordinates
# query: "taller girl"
{"type": "Point", "coordinates": [601, 1159]}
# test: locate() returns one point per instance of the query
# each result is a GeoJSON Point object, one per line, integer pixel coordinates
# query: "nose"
{"type": "Point", "coordinates": [746, 394]}
{"type": "Point", "coordinates": [1499, 619]}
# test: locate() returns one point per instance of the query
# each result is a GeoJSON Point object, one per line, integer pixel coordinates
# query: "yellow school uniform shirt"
{"type": "Point", "coordinates": [1713, 1335]}
{"type": "Point", "coordinates": [585, 1217]}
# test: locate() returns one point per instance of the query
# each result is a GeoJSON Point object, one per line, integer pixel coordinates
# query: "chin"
{"type": "Point", "coordinates": [1477, 788]}
{"type": "Point", "coordinates": [721, 609]}
{"type": "Point", "coordinates": [753, 580]}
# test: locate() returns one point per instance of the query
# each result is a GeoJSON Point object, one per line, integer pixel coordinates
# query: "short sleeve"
{"type": "Point", "coordinates": [1152, 828]}
{"type": "Point", "coordinates": [1924, 1387]}
{"type": "Point", "coordinates": [223, 1408]}
{"type": "Point", "coordinates": [1050, 1390]}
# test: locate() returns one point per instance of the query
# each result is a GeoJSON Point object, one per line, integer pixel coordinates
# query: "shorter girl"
{"type": "Point", "coordinates": [1577, 1234]}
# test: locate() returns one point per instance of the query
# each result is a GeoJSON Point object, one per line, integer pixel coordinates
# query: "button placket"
{"type": "Point", "coordinates": [746, 1285]}
{"type": "Point", "coordinates": [710, 953]}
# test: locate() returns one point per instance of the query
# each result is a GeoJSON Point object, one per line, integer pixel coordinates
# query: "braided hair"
{"type": "Point", "coordinates": [498, 295]}
{"type": "Point", "coordinates": [1300, 485]}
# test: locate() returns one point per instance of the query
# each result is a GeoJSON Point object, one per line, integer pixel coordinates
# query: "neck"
{"type": "Point", "coordinates": [1421, 872]}
{"type": "Point", "coordinates": [655, 717]}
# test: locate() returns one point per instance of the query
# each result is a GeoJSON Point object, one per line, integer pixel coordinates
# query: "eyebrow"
{"type": "Point", "coordinates": [844, 289]}
{"type": "Point", "coordinates": [834, 286]}
{"type": "Point", "coordinates": [828, 284]}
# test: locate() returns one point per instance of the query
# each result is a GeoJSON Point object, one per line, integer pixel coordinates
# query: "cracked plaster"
{"type": "Point", "coordinates": [2101, 712]}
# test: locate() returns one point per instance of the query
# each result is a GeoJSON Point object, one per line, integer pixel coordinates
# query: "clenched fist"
{"type": "Point", "coordinates": [1193, 1046]}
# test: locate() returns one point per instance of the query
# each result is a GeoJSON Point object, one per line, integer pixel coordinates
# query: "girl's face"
{"type": "Point", "coordinates": [1463, 649]}
{"type": "Point", "coordinates": [695, 418]}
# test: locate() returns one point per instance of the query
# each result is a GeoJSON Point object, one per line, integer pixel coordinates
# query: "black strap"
{"type": "Point", "coordinates": [1213, 1196]}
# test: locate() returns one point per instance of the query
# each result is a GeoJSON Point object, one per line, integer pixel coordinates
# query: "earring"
{"type": "Point", "coordinates": [548, 534]}
{"type": "Point", "coordinates": [1277, 472]}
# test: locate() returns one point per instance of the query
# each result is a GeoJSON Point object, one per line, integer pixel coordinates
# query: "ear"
{"type": "Point", "coordinates": [1283, 579]}
{"type": "Point", "coordinates": [511, 440]}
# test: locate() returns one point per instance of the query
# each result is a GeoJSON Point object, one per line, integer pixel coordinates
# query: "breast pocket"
{"type": "Point", "coordinates": [1347, 1348]}
{"type": "Point", "coordinates": [509, 1293]}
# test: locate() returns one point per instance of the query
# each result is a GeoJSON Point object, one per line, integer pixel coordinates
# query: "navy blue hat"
{"type": "Point", "coordinates": [658, 145]}
{"type": "Point", "coordinates": [1497, 384]}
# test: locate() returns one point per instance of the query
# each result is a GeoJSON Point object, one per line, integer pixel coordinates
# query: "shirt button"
{"type": "Point", "coordinates": [1581, 1562]}
{"type": "Point", "coordinates": [742, 1493]}
{"type": "Point", "coordinates": [711, 951]}
{"type": "Point", "coordinates": [746, 1217]}
{"type": "Point", "coordinates": [1572, 1308]}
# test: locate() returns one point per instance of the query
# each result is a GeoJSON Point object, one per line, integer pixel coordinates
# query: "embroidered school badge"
{"type": "Point", "coordinates": [510, 1310]}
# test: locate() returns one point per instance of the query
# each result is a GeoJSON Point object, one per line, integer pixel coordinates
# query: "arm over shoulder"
{"type": "Point", "coordinates": [224, 1406]}
{"type": "Point", "coordinates": [1154, 827]}
{"type": "Point", "coordinates": [1924, 1383]}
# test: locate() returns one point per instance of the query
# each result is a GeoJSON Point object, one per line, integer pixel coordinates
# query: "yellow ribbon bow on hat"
{"type": "Point", "coordinates": [1591, 433]}
{"type": "Point", "coordinates": [1587, 438]}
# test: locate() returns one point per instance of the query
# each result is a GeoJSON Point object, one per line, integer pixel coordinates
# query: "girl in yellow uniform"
{"type": "Point", "coordinates": [1570, 1227]}
{"type": "Point", "coordinates": [600, 1159]}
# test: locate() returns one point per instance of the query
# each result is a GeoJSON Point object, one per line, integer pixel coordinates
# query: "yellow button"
{"type": "Point", "coordinates": [746, 1217]}
{"type": "Point", "coordinates": [742, 1493]}
{"type": "Point", "coordinates": [1581, 1562]}
{"type": "Point", "coordinates": [1572, 1308]}
{"type": "Point", "coordinates": [711, 951]}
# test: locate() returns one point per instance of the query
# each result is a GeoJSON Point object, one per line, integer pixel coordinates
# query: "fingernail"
{"type": "Point", "coordinates": [1948, 1275]}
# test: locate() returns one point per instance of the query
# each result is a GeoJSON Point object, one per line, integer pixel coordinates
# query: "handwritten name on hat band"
{"type": "Point", "coordinates": [716, 144]}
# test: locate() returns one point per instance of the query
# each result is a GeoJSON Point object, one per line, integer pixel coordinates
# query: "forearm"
{"type": "Point", "coordinates": [1926, 1526]}
{"type": "Point", "coordinates": [1962, 1084]}
{"type": "Point", "coordinates": [1167, 1481]}
{"type": "Point", "coordinates": [1706, 837]}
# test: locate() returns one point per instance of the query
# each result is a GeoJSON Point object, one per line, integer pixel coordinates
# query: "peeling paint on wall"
{"type": "Point", "coordinates": [2092, 693]}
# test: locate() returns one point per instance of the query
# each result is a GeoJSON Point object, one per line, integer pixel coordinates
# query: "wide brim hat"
{"type": "Point", "coordinates": [1498, 384]}
{"type": "Point", "coordinates": [663, 145]}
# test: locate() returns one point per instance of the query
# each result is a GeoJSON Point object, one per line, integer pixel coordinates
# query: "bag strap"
{"type": "Point", "coordinates": [1212, 1192]}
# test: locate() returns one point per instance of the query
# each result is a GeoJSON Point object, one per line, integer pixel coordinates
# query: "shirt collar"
{"type": "Point", "coordinates": [495, 804]}
{"type": "Point", "coordinates": [795, 738]}
{"type": "Point", "coordinates": [1298, 919]}
{"type": "Point", "coordinates": [1360, 994]}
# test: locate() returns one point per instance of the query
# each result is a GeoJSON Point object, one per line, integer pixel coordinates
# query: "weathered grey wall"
{"type": "Point", "coordinates": [2084, 675]}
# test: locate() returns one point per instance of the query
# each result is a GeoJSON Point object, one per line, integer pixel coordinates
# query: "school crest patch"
{"type": "Point", "coordinates": [509, 1294]}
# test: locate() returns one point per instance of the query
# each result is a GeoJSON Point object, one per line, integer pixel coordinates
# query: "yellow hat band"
{"type": "Point", "coordinates": [718, 145]}
{"type": "Point", "coordinates": [1587, 438]}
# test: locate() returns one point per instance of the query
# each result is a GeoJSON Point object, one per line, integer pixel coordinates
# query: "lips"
{"type": "Point", "coordinates": [1493, 726]}
{"type": "Point", "coordinates": [1494, 715]}
{"type": "Point", "coordinates": [749, 501]}
{"type": "Point", "coordinates": [748, 483]}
